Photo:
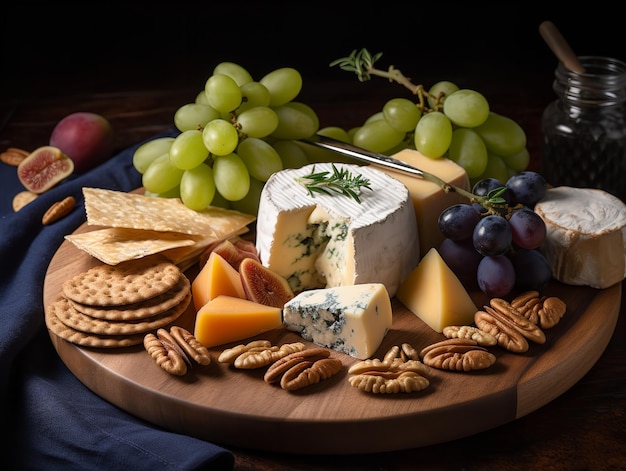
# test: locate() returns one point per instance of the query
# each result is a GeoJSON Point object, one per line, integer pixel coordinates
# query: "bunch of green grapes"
{"type": "Point", "coordinates": [445, 121]}
{"type": "Point", "coordinates": [235, 134]}
{"type": "Point", "coordinates": [454, 123]}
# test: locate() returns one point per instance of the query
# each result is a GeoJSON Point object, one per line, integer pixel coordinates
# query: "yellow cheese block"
{"type": "Point", "coordinates": [429, 200]}
{"type": "Point", "coordinates": [216, 277]}
{"type": "Point", "coordinates": [227, 319]}
{"type": "Point", "coordinates": [434, 294]}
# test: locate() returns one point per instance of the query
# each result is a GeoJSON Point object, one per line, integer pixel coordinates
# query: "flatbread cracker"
{"type": "Point", "coordinates": [113, 245]}
{"type": "Point", "coordinates": [88, 340]}
{"type": "Point", "coordinates": [66, 313]}
{"type": "Point", "coordinates": [127, 283]}
{"type": "Point", "coordinates": [132, 210]}
{"type": "Point", "coordinates": [141, 310]}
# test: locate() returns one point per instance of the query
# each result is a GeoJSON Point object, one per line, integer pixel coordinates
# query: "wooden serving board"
{"type": "Point", "coordinates": [224, 405]}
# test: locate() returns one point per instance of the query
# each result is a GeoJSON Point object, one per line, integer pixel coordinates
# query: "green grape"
{"type": "Point", "coordinates": [173, 193]}
{"type": "Point", "coordinates": [446, 88]}
{"type": "Point", "coordinates": [147, 152]}
{"type": "Point", "coordinates": [259, 121]}
{"type": "Point", "coordinates": [283, 84]}
{"type": "Point", "coordinates": [194, 116]}
{"type": "Point", "coordinates": [232, 179]}
{"type": "Point", "coordinates": [201, 98]}
{"type": "Point", "coordinates": [375, 117]}
{"type": "Point", "coordinates": [433, 134]}
{"type": "Point", "coordinates": [223, 93]}
{"type": "Point", "coordinates": [236, 72]}
{"type": "Point", "coordinates": [495, 168]}
{"type": "Point", "coordinates": [502, 135]}
{"type": "Point", "coordinates": [249, 204]}
{"type": "Point", "coordinates": [401, 114]}
{"type": "Point", "coordinates": [292, 154]}
{"type": "Point", "coordinates": [335, 132]}
{"type": "Point", "coordinates": [468, 150]}
{"type": "Point", "coordinates": [188, 149]}
{"type": "Point", "coordinates": [466, 108]}
{"type": "Point", "coordinates": [220, 137]}
{"type": "Point", "coordinates": [517, 162]}
{"type": "Point", "coordinates": [295, 121]}
{"type": "Point", "coordinates": [260, 158]}
{"type": "Point", "coordinates": [197, 187]}
{"type": "Point", "coordinates": [377, 136]}
{"type": "Point", "coordinates": [161, 176]}
{"type": "Point", "coordinates": [254, 94]}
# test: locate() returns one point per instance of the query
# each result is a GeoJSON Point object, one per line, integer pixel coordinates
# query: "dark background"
{"type": "Point", "coordinates": [50, 49]}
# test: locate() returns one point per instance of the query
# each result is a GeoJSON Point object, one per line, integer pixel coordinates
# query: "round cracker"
{"type": "Point", "coordinates": [140, 310]}
{"type": "Point", "coordinates": [127, 283]}
{"type": "Point", "coordinates": [88, 340]}
{"type": "Point", "coordinates": [66, 313]}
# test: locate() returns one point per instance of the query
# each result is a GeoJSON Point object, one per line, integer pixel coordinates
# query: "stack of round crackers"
{"type": "Point", "coordinates": [115, 306]}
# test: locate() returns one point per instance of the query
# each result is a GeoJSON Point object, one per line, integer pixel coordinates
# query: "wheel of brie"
{"type": "Point", "coordinates": [586, 234]}
{"type": "Point", "coordinates": [330, 240]}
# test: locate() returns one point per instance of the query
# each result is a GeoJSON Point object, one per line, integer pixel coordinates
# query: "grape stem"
{"type": "Point", "coordinates": [362, 64]}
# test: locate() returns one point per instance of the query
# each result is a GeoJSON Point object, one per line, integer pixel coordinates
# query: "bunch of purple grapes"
{"type": "Point", "coordinates": [494, 242]}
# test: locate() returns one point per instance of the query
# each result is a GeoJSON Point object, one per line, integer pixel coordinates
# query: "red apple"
{"type": "Point", "coordinates": [87, 138]}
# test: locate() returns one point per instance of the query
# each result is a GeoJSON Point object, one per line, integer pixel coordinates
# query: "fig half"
{"type": "Point", "coordinates": [262, 285]}
{"type": "Point", "coordinates": [44, 168]}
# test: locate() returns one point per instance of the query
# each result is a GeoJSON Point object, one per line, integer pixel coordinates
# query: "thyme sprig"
{"type": "Point", "coordinates": [340, 181]}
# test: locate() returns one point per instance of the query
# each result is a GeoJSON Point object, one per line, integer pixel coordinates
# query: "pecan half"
{"type": "Point", "coordinates": [284, 364]}
{"type": "Point", "coordinates": [389, 382]}
{"type": "Point", "coordinates": [544, 311]}
{"type": "Point", "coordinates": [230, 354]}
{"type": "Point", "coordinates": [167, 354]}
{"type": "Point", "coordinates": [257, 359]}
{"type": "Point", "coordinates": [507, 313]}
{"type": "Point", "coordinates": [507, 336]}
{"type": "Point", "coordinates": [307, 373]}
{"type": "Point", "coordinates": [470, 332]}
{"type": "Point", "coordinates": [191, 345]}
{"type": "Point", "coordinates": [457, 354]}
{"type": "Point", "coordinates": [58, 210]}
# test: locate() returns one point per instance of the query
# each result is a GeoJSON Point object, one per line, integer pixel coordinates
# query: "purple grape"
{"type": "Point", "coordinates": [457, 222]}
{"type": "Point", "coordinates": [532, 270]}
{"type": "Point", "coordinates": [495, 275]}
{"type": "Point", "coordinates": [484, 186]}
{"type": "Point", "coordinates": [526, 188]}
{"type": "Point", "coordinates": [528, 229]}
{"type": "Point", "coordinates": [492, 235]}
{"type": "Point", "coordinates": [462, 259]}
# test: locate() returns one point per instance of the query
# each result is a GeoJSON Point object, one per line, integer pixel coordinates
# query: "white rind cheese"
{"type": "Point", "coordinates": [586, 236]}
{"type": "Point", "coordinates": [349, 319]}
{"type": "Point", "coordinates": [324, 241]}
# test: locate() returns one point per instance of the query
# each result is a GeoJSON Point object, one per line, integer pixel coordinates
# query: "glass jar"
{"type": "Point", "coordinates": [584, 130]}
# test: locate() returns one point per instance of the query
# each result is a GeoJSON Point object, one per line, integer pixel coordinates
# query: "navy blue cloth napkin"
{"type": "Point", "coordinates": [53, 420]}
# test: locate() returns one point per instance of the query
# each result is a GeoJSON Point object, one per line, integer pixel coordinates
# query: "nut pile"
{"type": "Point", "coordinates": [291, 365]}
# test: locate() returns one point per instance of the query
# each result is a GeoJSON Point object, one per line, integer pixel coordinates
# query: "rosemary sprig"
{"type": "Point", "coordinates": [341, 181]}
{"type": "Point", "coordinates": [362, 64]}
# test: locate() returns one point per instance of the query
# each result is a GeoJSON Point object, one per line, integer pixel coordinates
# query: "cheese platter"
{"type": "Point", "coordinates": [222, 404]}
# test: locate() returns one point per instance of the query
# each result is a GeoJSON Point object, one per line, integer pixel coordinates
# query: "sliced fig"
{"type": "Point", "coordinates": [44, 168]}
{"type": "Point", "coordinates": [262, 285]}
{"type": "Point", "coordinates": [233, 250]}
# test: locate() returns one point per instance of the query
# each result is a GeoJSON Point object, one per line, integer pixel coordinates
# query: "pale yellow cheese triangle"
{"type": "Point", "coordinates": [434, 293]}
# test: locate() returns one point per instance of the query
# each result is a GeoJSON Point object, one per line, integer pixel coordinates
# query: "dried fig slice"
{"type": "Point", "coordinates": [44, 168]}
{"type": "Point", "coordinates": [232, 250]}
{"type": "Point", "coordinates": [262, 285]}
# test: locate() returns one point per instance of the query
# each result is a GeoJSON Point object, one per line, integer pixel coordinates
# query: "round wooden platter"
{"type": "Point", "coordinates": [228, 406]}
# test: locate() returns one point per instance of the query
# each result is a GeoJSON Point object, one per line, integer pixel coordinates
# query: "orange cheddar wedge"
{"type": "Point", "coordinates": [227, 319]}
{"type": "Point", "coordinates": [217, 277]}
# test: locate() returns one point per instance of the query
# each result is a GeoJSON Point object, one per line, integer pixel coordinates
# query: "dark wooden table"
{"type": "Point", "coordinates": [583, 429]}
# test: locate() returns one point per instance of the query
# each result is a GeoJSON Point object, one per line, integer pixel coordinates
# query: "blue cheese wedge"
{"type": "Point", "coordinates": [349, 319]}
{"type": "Point", "coordinates": [586, 236]}
{"type": "Point", "coordinates": [325, 241]}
